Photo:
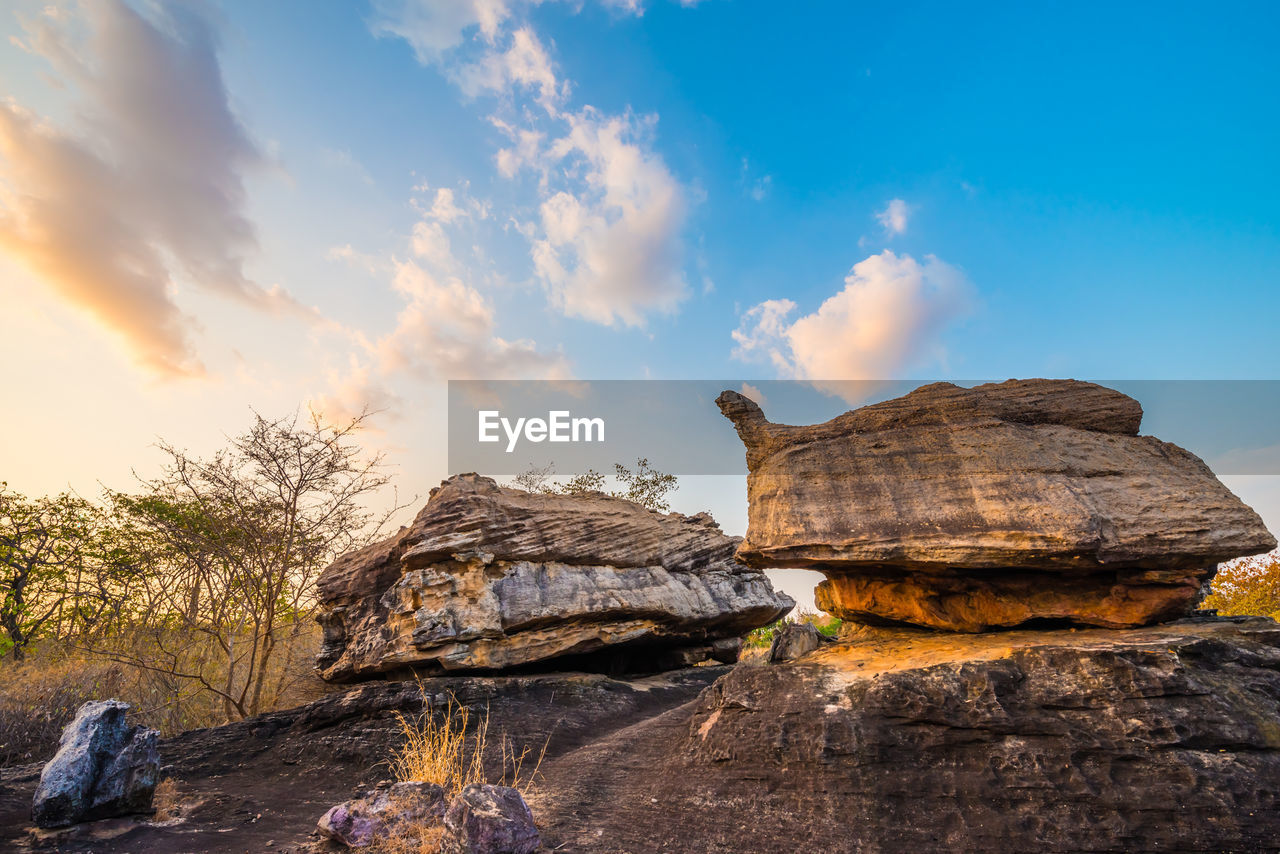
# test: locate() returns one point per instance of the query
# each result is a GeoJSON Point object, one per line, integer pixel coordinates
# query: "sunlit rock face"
{"type": "Point", "coordinates": [1164, 738]}
{"type": "Point", "coordinates": [972, 509]}
{"type": "Point", "coordinates": [492, 578]}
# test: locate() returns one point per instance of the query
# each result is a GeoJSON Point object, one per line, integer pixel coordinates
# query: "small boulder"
{"type": "Point", "coordinates": [104, 767]}
{"type": "Point", "coordinates": [381, 812]}
{"type": "Point", "coordinates": [794, 640]}
{"type": "Point", "coordinates": [486, 819]}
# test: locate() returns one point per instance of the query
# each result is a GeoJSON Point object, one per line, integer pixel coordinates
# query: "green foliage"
{"type": "Point", "coordinates": [46, 545]}
{"type": "Point", "coordinates": [762, 638]}
{"type": "Point", "coordinates": [644, 485]}
{"type": "Point", "coordinates": [201, 582]}
{"type": "Point", "coordinates": [1249, 586]}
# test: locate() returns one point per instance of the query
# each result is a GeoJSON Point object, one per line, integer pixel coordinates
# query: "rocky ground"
{"type": "Point", "coordinates": [1164, 738]}
{"type": "Point", "coordinates": [260, 785]}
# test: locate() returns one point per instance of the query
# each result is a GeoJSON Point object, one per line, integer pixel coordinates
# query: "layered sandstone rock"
{"type": "Point", "coordinates": [493, 578]}
{"type": "Point", "coordinates": [1158, 739]}
{"type": "Point", "coordinates": [970, 509]}
{"type": "Point", "coordinates": [1164, 738]}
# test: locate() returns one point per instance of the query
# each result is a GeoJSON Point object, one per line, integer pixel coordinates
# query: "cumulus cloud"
{"type": "Point", "coordinates": [606, 243]}
{"type": "Point", "coordinates": [894, 216]}
{"type": "Point", "coordinates": [889, 316]}
{"type": "Point", "coordinates": [147, 189]}
{"type": "Point", "coordinates": [445, 329]}
{"type": "Point", "coordinates": [610, 251]}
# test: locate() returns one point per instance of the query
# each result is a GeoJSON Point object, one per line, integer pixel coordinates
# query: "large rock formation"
{"type": "Point", "coordinates": [969, 509]}
{"type": "Point", "coordinates": [492, 578]}
{"type": "Point", "coordinates": [1158, 739]}
{"type": "Point", "coordinates": [104, 767]}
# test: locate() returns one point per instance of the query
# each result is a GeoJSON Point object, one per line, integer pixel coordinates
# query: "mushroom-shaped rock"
{"type": "Point", "coordinates": [993, 506]}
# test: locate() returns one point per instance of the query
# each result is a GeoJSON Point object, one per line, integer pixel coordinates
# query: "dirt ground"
{"type": "Point", "coordinates": [261, 784]}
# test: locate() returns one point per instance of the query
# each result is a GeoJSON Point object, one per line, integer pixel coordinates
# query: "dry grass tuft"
{"type": "Point", "coordinates": [436, 749]}
{"type": "Point", "coordinates": [416, 838]}
{"type": "Point", "coordinates": [448, 750]}
{"type": "Point", "coordinates": [167, 801]}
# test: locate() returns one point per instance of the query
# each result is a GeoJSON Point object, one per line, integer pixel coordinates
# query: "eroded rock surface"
{"type": "Point", "coordinates": [897, 739]}
{"type": "Point", "coordinates": [485, 819]}
{"type": "Point", "coordinates": [493, 578]}
{"type": "Point", "coordinates": [969, 509]}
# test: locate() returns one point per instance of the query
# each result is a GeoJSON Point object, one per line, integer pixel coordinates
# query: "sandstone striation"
{"type": "Point", "coordinates": [971, 509]}
{"type": "Point", "coordinates": [492, 578]}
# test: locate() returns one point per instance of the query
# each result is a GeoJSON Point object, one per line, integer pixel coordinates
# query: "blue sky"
{"type": "Point", "coordinates": [329, 204]}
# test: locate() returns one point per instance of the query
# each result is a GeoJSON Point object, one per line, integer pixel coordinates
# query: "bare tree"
{"type": "Point", "coordinates": [644, 485]}
{"type": "Point", "coordinates": [230, 549]}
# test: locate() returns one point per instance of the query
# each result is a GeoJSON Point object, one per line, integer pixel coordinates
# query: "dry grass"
{"type": "Point", "coordinates": [41, 695]}
{"type": "Point", "coordinates": [167, 801]}
{"type": "Point", "coordinates": [447, 749]}
{"type": "Point", "coordinates": [436, 748]}
{"type": "Point", "coordinates": [415, 838]}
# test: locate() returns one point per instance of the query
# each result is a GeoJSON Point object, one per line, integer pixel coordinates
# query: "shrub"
{"type": "Point", "coordinates": [762, 638]}
{"type": "Point", "coordinates": [1249, 586]}
{"type": "Point", "coordinates": [40, 696]}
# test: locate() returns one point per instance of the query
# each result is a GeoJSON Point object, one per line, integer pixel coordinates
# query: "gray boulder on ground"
{"type": "Point", "coordinates": [794, 640]}
{"type": "Point", "coordinates": [976, 508]}
{"type": "Point", "coordinates": [492, 578]}
{"type": "Point", "coordinates": [382, 812]}
{"type": "Point", "coordinates": [104, 767]}
{"type": "Point", "coordinates": [486, 819]}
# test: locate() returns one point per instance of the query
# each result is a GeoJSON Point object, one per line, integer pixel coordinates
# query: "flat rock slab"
{"type": "Point", "coordinates": [490, 578]}
{"type": "Point", "coordinates": [1141, 740]}
{"type": "Point", "coordinates": [944, 506]}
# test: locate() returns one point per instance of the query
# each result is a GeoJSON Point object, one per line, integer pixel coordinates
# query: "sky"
{"type": "Point", "coordinates": [210, 209]}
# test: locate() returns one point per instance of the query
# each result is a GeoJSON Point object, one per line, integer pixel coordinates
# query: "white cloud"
{"type": "Point", "coordinates": [606, 244]}
{"type": "Point", "coordinates": [444, 208]}
{"type": "Point", "coordinates": [609, 249]}
{"type": "Point", "coordinates": [434, 27]}
{"type": "Point", "coordinates": [762, 335]}
{"type": "Point", "coordinates": [445, 329]}
{"type": "Point", "coordinates": [756, 187]}
{"type": "Point", "coordinates": [525, 64]}
{"type": "Point", "coordinates": [889, 316]}
{"type": "Point", "coordinates": [114, 225]}
{"type": "Point", "coordinates": [894, 216]}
